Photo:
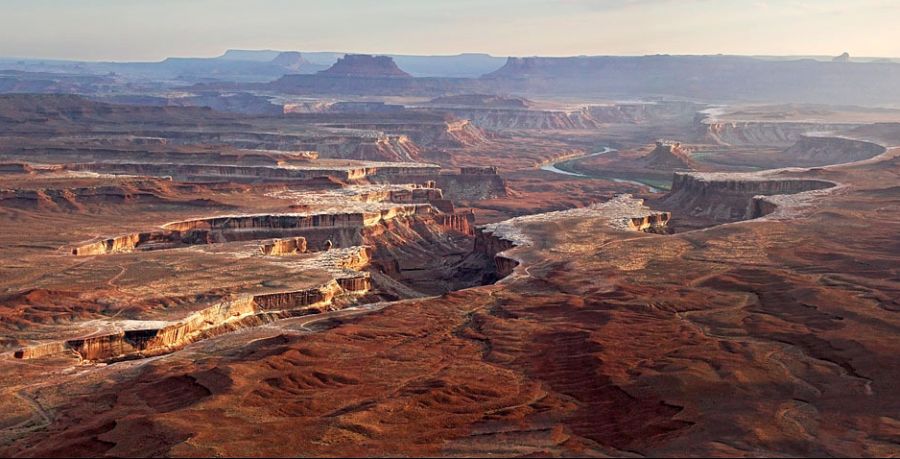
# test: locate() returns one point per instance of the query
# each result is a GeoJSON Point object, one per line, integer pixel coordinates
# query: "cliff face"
{"type": "Point", "coordinates": [451, 132]}
{"type": "Point", "coordinates": [315, 229]}
{"type": "Point", "coordinates": [756, 133]}
{"type": "Point", "coordinates": [638, 113]}
{"type": "Point", "coordinates": [387, 148]}
{"type": "Point", "coordinates": [491, 245]}
{"type": "Point", "coordinates": [461, 186]}
{"type": "Point", "coordinates": [464, 222]}
{"type": "Point", "coordinates": [813, 151]}
{"type": "Point", "coordinates": [730, 197]}
{"type": "Point", "coordinates": [229, 173]}
{"type": "Point", "coordinates": [152, 240]}
{"type": "Point", "coordinates": [503, 118]}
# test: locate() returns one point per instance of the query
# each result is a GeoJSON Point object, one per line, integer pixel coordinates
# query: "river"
{"type": "Point", "coordinates": [552, 168]}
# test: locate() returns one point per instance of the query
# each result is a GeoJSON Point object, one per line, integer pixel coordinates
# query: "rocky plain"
{"type": "Point", "coordinates": [354, 259]}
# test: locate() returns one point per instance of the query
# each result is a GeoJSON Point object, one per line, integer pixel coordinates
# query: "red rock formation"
{"type": "Point", "coordinates": [669, 155]}
{"type": "Point", "coordinates": [464, 222]}
{"type": "Point", "coordinates": [289, 246]}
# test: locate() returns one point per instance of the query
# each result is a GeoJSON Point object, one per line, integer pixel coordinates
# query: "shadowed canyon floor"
{"type": "Point", "coordinates": [200, 295]}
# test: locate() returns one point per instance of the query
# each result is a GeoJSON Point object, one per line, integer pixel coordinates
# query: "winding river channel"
{"type": "Point", "coordinates": [552, 167]}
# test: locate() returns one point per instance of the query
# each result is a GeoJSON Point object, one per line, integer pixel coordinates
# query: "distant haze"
{"type": "Point", "coordinates": [126, 30]}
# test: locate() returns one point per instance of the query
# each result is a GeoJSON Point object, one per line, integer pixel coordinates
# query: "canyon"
{"type": "Point", "coordinates": [320, 254]}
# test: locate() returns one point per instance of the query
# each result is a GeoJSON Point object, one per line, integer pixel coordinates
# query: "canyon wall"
{"type": "Point", "coordinates": [756, 133]}
{"type": "Point", "coordinates": [645, 112]}
{"type": "Point", "coordinates": [814, 151]}
{"type": "Point", "coordinates": [506, 118]}
{"type": "Point", "coordinates": [472, 183]}
{"type": "Point", "coordinates": [203, 172]}
{"type": "Point", "coordinates": [81, 198]}
{"type": "Point", "coordinates": [729, 197]}
{"type": "Point", "coordinates": [491, 246]}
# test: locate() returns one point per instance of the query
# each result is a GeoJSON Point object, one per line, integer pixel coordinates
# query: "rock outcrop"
{"type": "Point", "coordinates": [669, 155]}
{"type": "Point", "coordinates": [288, 246]}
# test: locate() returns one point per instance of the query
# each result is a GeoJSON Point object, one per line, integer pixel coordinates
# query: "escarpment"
{"type": "Point", "coordinates": [232, 173]}
{"type": "Point", "coordinates": [814, 151]}
{"type": "Point", "coordinates": [492, 246]}
{"type": "Point", "coordinates": [726, 197]}
{"type": "Point", "coordinates": [676, 112]}
{"type": "Point", "coordinates": [77, 199]}
{"type": "Point", "coordinates": [355, 208]}
{"type": "Point", "coordinates": [445, 131]}
{"type": "Point", "coordinates": [513, 119]}
{"type": "Point", "coordinates": [755, 133]}
{"type": "Point", "coordinates": [470, 183]}
{"type": "Point", "coordinates": [341, 228]}
{"type": "Point", "coordinates": [222, 317]}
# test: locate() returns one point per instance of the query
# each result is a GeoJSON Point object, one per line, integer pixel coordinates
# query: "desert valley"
{"type": "Point", "coordinates": [327, 254]}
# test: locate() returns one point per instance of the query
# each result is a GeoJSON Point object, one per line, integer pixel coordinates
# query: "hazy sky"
{"type": "Point", "coordinates": [155, 29]}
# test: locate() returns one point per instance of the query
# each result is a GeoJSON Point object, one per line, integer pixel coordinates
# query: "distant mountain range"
{"type": "Point", "coordinates": [256, 66]}
{"type": "Point", "coordinates": [713, 78]}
